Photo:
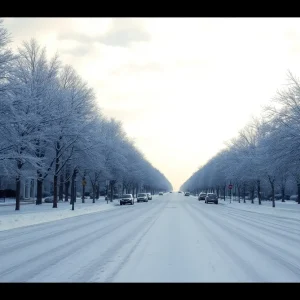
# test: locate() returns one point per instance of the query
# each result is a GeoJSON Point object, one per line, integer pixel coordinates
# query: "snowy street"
{"type": "Point", "coordinates": [172, 238]}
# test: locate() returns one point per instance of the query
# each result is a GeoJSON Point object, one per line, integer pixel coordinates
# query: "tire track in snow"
{"type": "Point", "coordinates": [233, 255]}
{"type": "Point", "coordinates": [273, 252]}
{"type": "Point", "coordinates": [281, 223]}
{"type": "Point", "coordinates": [105, 260]}
{"type": "Point", "coordinates": [261, 213]}
{"type": "Point", "coordinates": [274, 231]}
{"type": "Point", "coordinates": [15, 233]}
{"type": "Point", "coordinates": [70, 228]}
{"type": "Point", "coordinates": [40, 262]}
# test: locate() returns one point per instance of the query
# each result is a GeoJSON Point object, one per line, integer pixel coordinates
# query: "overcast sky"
{"type": "Point", "coordinates": [181, 86]}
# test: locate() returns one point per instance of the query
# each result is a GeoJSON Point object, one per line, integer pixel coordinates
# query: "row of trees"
{"type": "Point", "coordinates": [264, 158]}
{"type": "Point", "coordinates": [51, 126]}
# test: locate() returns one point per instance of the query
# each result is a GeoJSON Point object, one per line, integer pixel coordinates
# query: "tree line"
{"type": "Point", "coordinates": [51, 126]}
{"type": "Point", "coordinates": [264, 157]}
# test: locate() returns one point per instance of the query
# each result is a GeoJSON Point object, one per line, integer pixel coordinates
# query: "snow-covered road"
{"type": "Point", "coordinates": [172, 238]}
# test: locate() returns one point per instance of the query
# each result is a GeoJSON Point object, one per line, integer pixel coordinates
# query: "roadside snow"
{"type": "Point", "coordinates": [283, 209]}
{"type": "Point", "coordinates": [12, 201]}
{"type": "Point", "coordinates": [31, 214]}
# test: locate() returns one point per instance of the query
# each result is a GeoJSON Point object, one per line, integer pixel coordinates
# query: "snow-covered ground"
{"type": "Point", "coordinates": [287, 208]}
{"type": "Point", "coordinates": [31, 214]}
{"type": "Point", "coordinates": [172, 238]}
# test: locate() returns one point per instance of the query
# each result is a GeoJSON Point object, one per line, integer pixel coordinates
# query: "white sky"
{"type": "Point", "coordinates": [181, 86]}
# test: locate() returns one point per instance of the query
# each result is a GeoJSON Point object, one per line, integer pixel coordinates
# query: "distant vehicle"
{"type": "Point", "coordinates": [211, 197]}
{"type": "Point", "coordinates": [160, 193]}
{"type": "Point", "coordinates": [149, 196]}
{"type": "Point", "coordinates": [201, 196]}
{"type": "Point", "coordinates": [179, 192]}
{"type": "Point", "coordinates": [126, 198]}
{"type": "Point", "coordinates": [186, 194]}
{"type": "Point", "coordinates": [142, 197]}
{"type": "Point", "coordinates": [171, 192]}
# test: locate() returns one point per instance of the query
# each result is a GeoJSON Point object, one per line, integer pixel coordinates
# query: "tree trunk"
{"type": "Point", "coordinates": [94, 193]}
{"type": "Point", "coordinates": [67, 183]}
{"type": "Point", "coordinates": [39, 185]}
{"type": "Point", "coordinates": [239, 193]}
{"type": "Point", "coordinates": [244, 192]}
{"type": "Point", "coordinates": [83, 194]}
{"type": "Point", "coordinates": [106, 190]}
{"type": "Point", "coordinates": [234, 196]}
{"type": "Point", "coordinates": [273, 194]}
{"type": "Point", "coordinates": [67, 186]}
{"type": "Point", "coordinates": [39, 191]}
{"type": "Point", "coordinates": [283, 193]}
{"type": "Point", "coordinates": [298, 186]}
{"type": "Point", "coordinates": [98, 191]}
{"type": "Point", "coordinates": [55, 179]}
{"type": "Point", "coordinates": [61, 188]}
{"type": "Point", "coordinates": [39, 188]}
{"type": "Point", "coordinates": [111, 192]}
{"type": "Point", "coordinates": [83, 189]}
{"type": "Point", "coordinates": [73, 192]}
{"type": "Point", "coordinates": [55, 191]}
{"type": "Point", "coordinates": [258, 192]}
{"type": "Point", "coordinates": [224, 190]}
{"type": "Point", "coordinates": [18, 192]}
{"type": "Point", "coordinates": [252, 194]}
{"type": "Point", "coordinates": [18, 186]}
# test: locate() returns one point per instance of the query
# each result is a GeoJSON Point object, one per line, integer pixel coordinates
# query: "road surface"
{"type": "Point", "coordinates": [172, 238]}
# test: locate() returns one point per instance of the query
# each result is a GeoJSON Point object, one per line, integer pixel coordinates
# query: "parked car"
{"type": "Point", "coordinates": [127, 198]}
{"type": "Point", "coordinates": [294, 197]}
{"type": "Point", "coordinates": [160, 193]}
{"type": "Point", "coordinates": [50, 199]}
{"type": "Point", "coordinates": [149, 196]}
{"type": "Point", "coordinates": [179, 192]}
{"type": "Point", "coordinates": [186, 194]}
{"type": "Point", "coordinates": [142, 197]}
{"type": "Point", "coordinates": [201, 196]}
{"type": "Point", "coordinates": [211, 197]}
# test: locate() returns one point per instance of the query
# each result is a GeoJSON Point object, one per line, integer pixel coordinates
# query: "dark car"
{"type": "Point", "coordinates": [211, 197]}
{"type": "Point", "coordinates": [142, 197]}
{"type": "Point", "coordinates": [149, 196]}
{"type": "Point", "coordinates": [187, 194]}
{"type": "Point", "coordinates": [201, 196]}
{"type": "Point", "coordinates": [127, 198]}
{"type": "Point", "coordinates": [160, 193]}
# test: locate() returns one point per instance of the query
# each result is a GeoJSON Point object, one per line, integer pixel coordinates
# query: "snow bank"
{"type": "Point", "coordinates": [283, 209]}
{"type": "Point", "coordinates": [36, 214]}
